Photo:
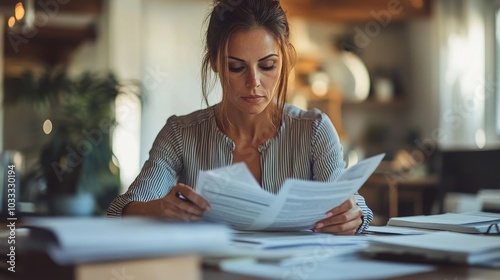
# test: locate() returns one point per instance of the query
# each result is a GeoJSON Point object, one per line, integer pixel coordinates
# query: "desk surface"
{"type": "Point", "coordinates": [452, 272]}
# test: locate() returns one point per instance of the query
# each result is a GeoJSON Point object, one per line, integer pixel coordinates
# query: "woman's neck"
{"type": "Point", "coordinates": [251, 129]}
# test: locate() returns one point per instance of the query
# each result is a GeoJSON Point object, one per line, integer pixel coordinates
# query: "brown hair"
{"type": "Point", "coordinates": [229, 16]}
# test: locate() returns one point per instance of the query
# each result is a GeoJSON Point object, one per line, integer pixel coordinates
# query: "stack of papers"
{"type": "Point", "coordinates": [277, 240]}
{"type": "Point", "coordinates": [81, 240]}
{"type": "Point", "coordinates": [394, 230]}
{"type": "Point", "coordinates": [440, 247]}
{"type": "Point", "coordinates": [470, 222]}
{"type": "Point", "coordinates": [283, 247]}
{"type": "Point", "coordinates": [321, 268]}
{"type": "Point", "coordinates": [237, 199]}
{"type": "Point", "coordinates": [309, 255]}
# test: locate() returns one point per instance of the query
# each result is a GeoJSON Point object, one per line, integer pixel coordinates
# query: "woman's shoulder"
{"type": "Point", "coordinates": [296, 113]}
{"type": "Point", "coordinates": [297, 118]}
{"type": "Point", "coordinates": [194, 118]}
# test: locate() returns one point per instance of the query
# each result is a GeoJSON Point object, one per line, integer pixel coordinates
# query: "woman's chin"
{"type": "Point", "coordinates": [254, 110]}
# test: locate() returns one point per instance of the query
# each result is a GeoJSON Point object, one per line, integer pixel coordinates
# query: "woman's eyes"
{"type": "Point", "coordinates": [268, 68]}
{"type": "Point", "coordinates": [265, 67]}
{"type": "Point", "coordinates": [236, 69]}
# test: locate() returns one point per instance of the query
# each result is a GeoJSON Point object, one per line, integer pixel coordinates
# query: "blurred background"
{"type": "Point", "coordinates": [87, 85]}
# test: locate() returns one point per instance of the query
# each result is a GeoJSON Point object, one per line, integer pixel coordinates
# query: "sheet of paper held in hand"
{"type": "Point", "coordinates": [237, 199]}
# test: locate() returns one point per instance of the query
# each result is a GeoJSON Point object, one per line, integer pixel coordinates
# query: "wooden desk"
{"type": "Point", "coordinates": [394, 187]}
{"type": "Point", "coordinates": [41, 263]}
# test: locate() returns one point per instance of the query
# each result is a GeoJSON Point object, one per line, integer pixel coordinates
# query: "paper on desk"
{"type": "Point", "coordinates": [441, 246]}
{"type": "Point", "coordinates": [320, 268]}
{"type": "Point", "coordinates": [468, 222]}
{"type": "Point", "coordinates": [278, 240]}
{"type": "Point", "coordinates": [236, 198]}
{"type": "Point", "coordinates": [285, 250]}
{"type": "Point", "coordinates": [90, 239]}
{"type": "Point", "coordinates": [394, 230]}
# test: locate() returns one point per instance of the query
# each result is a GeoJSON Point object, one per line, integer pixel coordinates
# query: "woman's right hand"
{"type": "Point", "coordinates": [171, 206]}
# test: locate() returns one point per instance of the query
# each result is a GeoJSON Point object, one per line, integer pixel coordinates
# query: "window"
{"type": "Point", "coordinates": [497, 71]}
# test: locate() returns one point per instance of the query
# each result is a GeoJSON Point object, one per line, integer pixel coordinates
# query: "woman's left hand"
{"type": "Point", "coordinates": [344, 219]}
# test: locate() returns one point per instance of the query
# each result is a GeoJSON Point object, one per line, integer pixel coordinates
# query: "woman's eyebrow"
{"type": "Point", "coordinates": [264, 58]}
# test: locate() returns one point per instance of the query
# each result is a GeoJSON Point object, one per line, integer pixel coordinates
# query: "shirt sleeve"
{"type": "Point", "coordinates": [159, 173]}
{"type": "Point", "coordinates": [328, 163]}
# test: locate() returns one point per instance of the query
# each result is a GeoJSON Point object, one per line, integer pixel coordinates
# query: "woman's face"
{"type": "Point", "coordinates": [254, 67]}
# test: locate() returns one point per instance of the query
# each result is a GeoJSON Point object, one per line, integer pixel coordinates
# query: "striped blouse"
{"type": "Point", "coordinates": [305, 147]}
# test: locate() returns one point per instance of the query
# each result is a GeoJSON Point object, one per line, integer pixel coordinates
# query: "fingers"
{"type": "Point", "coordinates": [173, 211]}
{"type": "Point", "coordinates": [190, 206]}
{"type": "Point", "coordinates": [192, 196]}
{"type": "Point", "coordinates": [345, 206]}
{"type": "Point", "coordinates": [344, 219]}
{"type": "Point", "coordinates": [348, 228]}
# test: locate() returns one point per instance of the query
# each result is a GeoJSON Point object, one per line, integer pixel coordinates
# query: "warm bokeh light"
{"type": "Point", "coordinates": [319, 84]}
{"type": "Point", "coordinates": [417, 3]}
{"type": "Point", "coordinates": [113, 168]}
{"type": "Point", "coordinates": [114, 165]}
{"type": "Point", "coordinates": [300, 101]}
{"type": "Point", "coordinates": [352, 158]}
{"type": "Point", "coordinates": [480, 138]}
{"type": "Point", "coordinates": [19, 11]}
{"type": "Point", "coordinates": [11, 22]}
{"type": "Point", "coordinates": [47, 126]}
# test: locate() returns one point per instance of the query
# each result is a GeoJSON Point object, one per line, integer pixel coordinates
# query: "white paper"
{"type": "Point", "coordinates": [319, 268]}
{"type": "Point", "coordinates": [395, 230]}
{"type": "Point", "coordinates": [469, 222]}
{"type": "Point", "coordinates": [236, 198]}
{"type": "Point", "coordinates": [275, 240]}
{"type": "Point", "coordinates": [80, 240]}
{"type": "Point", "coordinates": [283, 254]}
{"type": "Point", "coordinates": [449, 246]}
{"type": "Point", "coordinates": [449, 218]}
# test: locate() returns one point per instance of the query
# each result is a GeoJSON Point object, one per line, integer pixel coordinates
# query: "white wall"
{"type": "Point", "coordinates": [492, 73]}
{"type": "Point", "coordinates": [173, 44]}
{"type": "Point", "coordinates": [2, 23]}
{"type": "Point", "coordinates": [125, 57]}
{"type": "Point", "coordinates": [424, 82]}
{"type": "Point", "coordinates": [93, 55]}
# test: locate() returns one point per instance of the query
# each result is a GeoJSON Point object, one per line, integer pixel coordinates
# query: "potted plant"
{"type": "Point", "coordinates": [77, 162]}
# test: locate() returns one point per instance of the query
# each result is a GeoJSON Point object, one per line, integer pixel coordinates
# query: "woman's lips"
{"type": "Point", "coordinates": [253, 99]}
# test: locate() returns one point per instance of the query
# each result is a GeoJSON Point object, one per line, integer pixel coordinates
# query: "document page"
{"type": "Point", "coordinates": [234, 195]}
{"type": "Point", "coordinates": [69, 240]}
{"type": "Point", "coordinates": [326, 268]}
{"type": "Point", "coordinates": [283, 239]}
{"type": "Point", "coordinates": [447, 246]}
{"type": "Point", "coordinates": [237, 199]}
{"type": "Point", "coordinates": [469, 222]}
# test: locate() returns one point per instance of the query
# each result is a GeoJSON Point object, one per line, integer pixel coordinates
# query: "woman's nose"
{"type": "Point", "coordinates": [253, 79]}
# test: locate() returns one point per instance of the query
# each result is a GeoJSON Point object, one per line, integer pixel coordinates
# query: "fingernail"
{"type": "Point", "coordinates": [329, 214]}
{"type": "Point", "coordinates": [318, 226]}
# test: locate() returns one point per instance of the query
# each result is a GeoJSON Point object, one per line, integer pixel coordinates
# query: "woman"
{"type": "Point", "coordinates": [248, 47]}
